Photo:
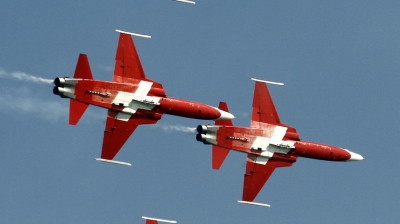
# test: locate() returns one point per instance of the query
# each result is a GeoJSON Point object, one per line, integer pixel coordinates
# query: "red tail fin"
{"type": "Point", "coordinates": [82, 71]}
{"type": "Point", "coordinates": [219, 154]}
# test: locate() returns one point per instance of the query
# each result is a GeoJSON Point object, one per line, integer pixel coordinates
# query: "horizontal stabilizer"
{"type": "Point", "coordinates": [223, 106]}
{"type": "Point", "coordinates": [76, 110]}
{"type": "Point", "coordinates": [254, 203]}
{"type": "Point", "coordinates": [113, 161]}
{"type": "Point", "coordinates": [155, 220]}
{"type": "Point", "coordinates": [219, 155]}
{"type": "Point", "coordinates": [82, 70]}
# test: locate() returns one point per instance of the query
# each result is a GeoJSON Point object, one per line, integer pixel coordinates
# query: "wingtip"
{"type": "Point", "coordinates": [269, 82]}
{"type": "Point", "coordinates": [113, 161]}
{"type": "Point", "coordinates": [133, 34]}
{"type": "Point", "coordinates": [254, 203]}
{"type": "Point", "coordinates": [160, 220]}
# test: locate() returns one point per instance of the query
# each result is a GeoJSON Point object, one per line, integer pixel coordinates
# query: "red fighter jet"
{"type": "Point", "coordinates": [131, 98]}
{"type": "Point", "coordinates": [268, 143]}
{"type": "Point", "coordinates": [156, 220]}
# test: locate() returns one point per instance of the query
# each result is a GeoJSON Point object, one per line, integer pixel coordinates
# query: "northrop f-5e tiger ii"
{"type": "Point", "coordinates": [268, 143]}
{"type": "Point", "coordinates": [131, 98]}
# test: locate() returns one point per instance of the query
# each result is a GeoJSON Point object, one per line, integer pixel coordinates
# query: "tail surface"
{"type": "Point", "coordinates": [82, 71]}
{"type": "Point", "coordinates": [219, 154]}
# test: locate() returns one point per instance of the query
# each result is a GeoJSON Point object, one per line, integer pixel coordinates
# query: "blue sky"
{"type": "Point", "coordinates": [340, 65]}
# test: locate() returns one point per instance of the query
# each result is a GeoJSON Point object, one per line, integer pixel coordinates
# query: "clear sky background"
{"type": "Point", "coordinates": [339, 61]}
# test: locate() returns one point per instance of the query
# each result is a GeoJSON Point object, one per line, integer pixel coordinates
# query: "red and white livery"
{"type": "Point", "coordinates": [268, 143]}
{"type": "Point", "coordinates": [131, 98]}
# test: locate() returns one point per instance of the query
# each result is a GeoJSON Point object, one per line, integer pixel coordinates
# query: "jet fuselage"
{"type": "Point", "coordinates": [136, 98]}
{"type": "Point", "coordinates": [268, 142]}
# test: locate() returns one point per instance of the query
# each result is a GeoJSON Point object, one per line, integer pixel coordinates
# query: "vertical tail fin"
{"type": "Point", "coordinates": [82, 71]}
{"type": "Point", "coordinates": [219, 154]}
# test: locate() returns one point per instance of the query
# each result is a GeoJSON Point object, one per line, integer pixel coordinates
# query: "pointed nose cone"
{"type": "Point", "coordinates": [355, 157]}
{"type": "Point", "coordinates": [225, 115]}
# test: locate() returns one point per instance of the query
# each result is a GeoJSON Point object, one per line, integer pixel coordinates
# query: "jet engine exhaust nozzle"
{"type": "Point", "coordinates": [202, 129]}
{"type": "Point", "coordinates": [59, 82]}
{"type": "Point", "coordinates": [55, 90]}
{"type": "Point", "coordinates": [206, 139]}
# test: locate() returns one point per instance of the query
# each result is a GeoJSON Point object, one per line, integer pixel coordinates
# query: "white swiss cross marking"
{"type": "Point", "coordinates": [268, 146]}
{"type": "Point", "coordinates": [134, 101]}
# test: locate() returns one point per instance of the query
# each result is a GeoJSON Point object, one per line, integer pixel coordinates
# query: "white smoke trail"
{"type": "Point", "coordinates": [106, 68]}
{"type": "Point", "coordinates": [46, 109]}
{"type": "Point", "coordinates": [179, 128]}
{"type": "Point", "coordinates": [24, 77]}
{"type": "Point", "coordinates": [49, 110]}
{"type": "Point", "coordinates": [27, 102]}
